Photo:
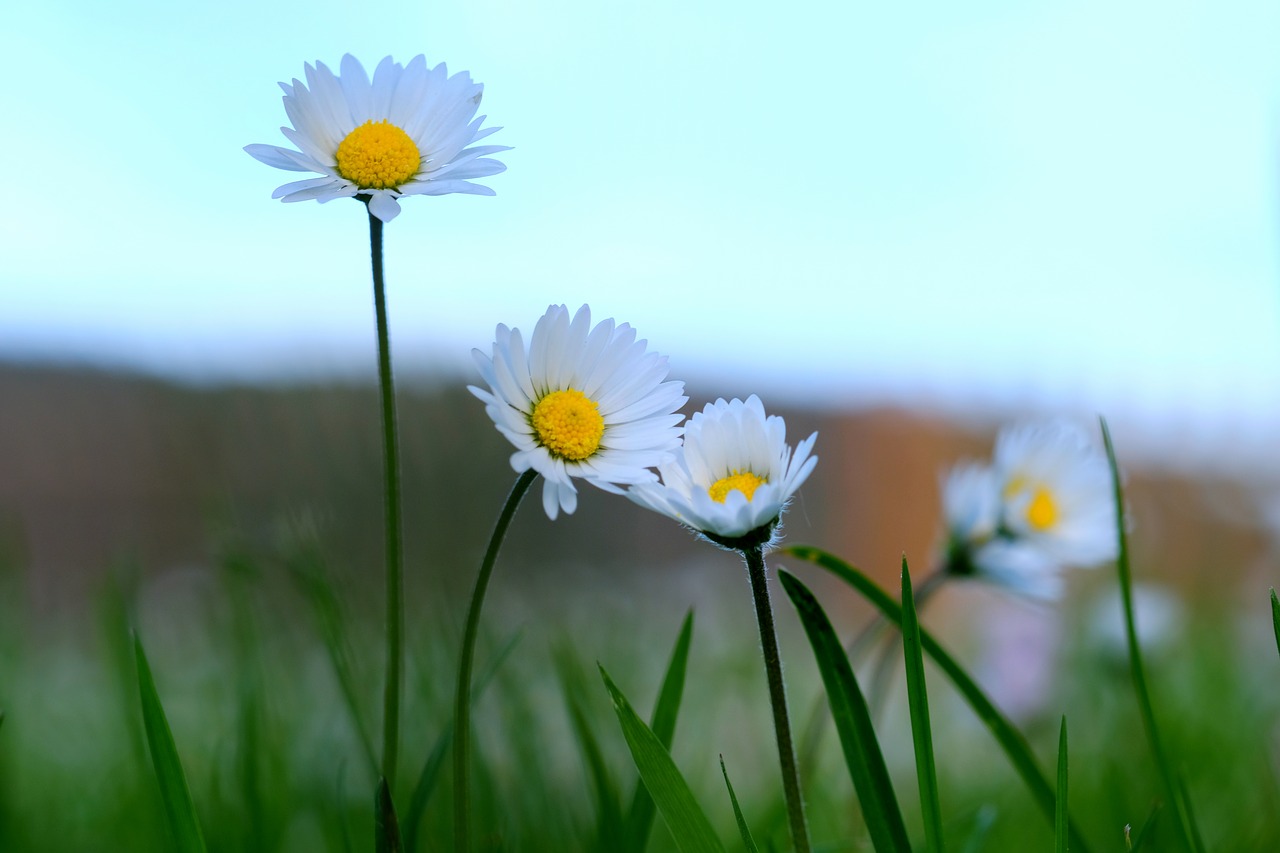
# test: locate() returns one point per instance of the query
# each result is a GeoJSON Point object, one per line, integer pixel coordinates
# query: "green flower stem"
{"type": "Point", "coordinates": [754, 557]}
{"type": "Point", "coordinates": [391, 507]}
{"type": "Point", "coordinates": [462, 697]}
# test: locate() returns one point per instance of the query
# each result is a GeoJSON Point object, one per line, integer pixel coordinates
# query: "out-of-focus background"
{"type": "Point", "coordinates": [902, 228]}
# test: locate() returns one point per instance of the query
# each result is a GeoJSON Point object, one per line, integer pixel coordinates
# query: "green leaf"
{"type": "Point", "coordinates": [685, 819]}
{"type": "Point", "coordinates": [1061, 832]}
{"type": "Point", "coordinates": [1175, 792]}
{"type": "Point", "coordinates": [386, 829]}
{"type": "Point", "coordinates": [1010, 739]}
{"type": "Point", "coordinates": [164, 757]}
{"type": "Point", "coordinates": [430, 773]}
{"type": "Point", "coordinates": [1275, 617]}
{"type": "Point", "coordinates": [640, 815]}
{"type": "Point", "coordinates": [921, 731]}
{"type": "Point", "coordinates": [852, 719]}
{"type": "Point", "coordinates": [747, 840]}
{"type": "Point", "coordinates": [608, 807]}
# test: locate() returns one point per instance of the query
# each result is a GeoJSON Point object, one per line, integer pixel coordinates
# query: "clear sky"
{"type": "Point", "coordinates": [1072, 201]}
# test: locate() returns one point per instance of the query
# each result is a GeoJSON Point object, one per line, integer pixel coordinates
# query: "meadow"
{"type": "Point", "coordinates": [238, 540]}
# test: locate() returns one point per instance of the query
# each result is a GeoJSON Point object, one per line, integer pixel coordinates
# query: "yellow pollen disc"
{"type": "Point", "coordinates": [743, 481]}
{"type": "Point", "coordinates": [568, 424]}
{"type": "Point", "coordinates": [378, 155]}
{"type": "Point", "coordinates": [1042, 512]}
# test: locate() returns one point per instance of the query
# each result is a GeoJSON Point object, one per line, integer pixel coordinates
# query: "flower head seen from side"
{"type": "Point", "coordinates": [581, 402]}
{"type": "Point", "coordinates": [405, 132]}
{"type": "Point", "coordinates": [733, 476]}
{"type": "Point", "coordinates": [1044, 503]}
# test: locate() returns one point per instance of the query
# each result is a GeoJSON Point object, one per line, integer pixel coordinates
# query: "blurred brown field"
{"type": "Point", "coordinates": [97, 468]}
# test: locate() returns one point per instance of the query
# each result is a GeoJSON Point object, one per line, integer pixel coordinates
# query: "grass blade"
{"type": "Point", "coordinates": [853, 723]}
{"type": "Point", "coordinates": [1176, 794]}
{"type": "Point", "coordinates": [1134, 844]}
{"type": "Point", "coordinates": [430, 773]}
{"type": "Point", "coordinates": [747, 840]}
{"type": "Point", "coordinates": [921, 731]}
{"type": "Point", "coordinates": [608, 806]}
{"type": "Point", "coordinates": [1010, 739]}
{"type": "Point", "coordinates": [164, 757]}
{"type": "Point", "coordinates": [639, 820]}
{"type": "Point", "coordinates": [1061, 834]}
{"type": "Point", "coordinates": [685, 819]}
{"type": "Point", "coordinates": [1275, 617]}
{"type": "Point", "coordinates": [386, 829]}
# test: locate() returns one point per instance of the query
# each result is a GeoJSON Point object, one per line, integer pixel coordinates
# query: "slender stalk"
{"type": "Point", "coordinates": [861, 642]}
{"type": "Point", "coordinates": [1173, 788]}
{"type": "Point", "coordinates": [754, 557]}
{"type": "Point", "coordinates": [391, 508]}
{"type": "Point", "coordinates": [462, 696]}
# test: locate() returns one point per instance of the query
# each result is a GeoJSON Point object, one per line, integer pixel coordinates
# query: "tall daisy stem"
{"type": "Point", "coordinates": [462, 697]}
{"type": "Point", "coordinates": [391, 507]}
{"type": "Point", "coordinates": [754, 557]}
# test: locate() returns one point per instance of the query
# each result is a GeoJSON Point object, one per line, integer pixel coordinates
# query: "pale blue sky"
{"type": "Point", "coordinates": [1073, 201]}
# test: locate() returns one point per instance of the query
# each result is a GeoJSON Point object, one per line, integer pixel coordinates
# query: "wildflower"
{"type": "Point", "coordinates": [734, 474]}
{"type": "Point", "coordinates": [1043, 504]}
{"type": "Point", "coordinates": [581, 402]}
{"type": "Point", "coordinates": [406, 133]}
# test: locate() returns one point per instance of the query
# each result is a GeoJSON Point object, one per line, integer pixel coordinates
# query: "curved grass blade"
{"type": "Point", "coordinates": [921, 731]}
{"type": "Point", "coordinates": [430, 773]}
{"type": "Point", "coordinates": [747, 840]}
{"type": "Point", "coordinates": [685, 819]}
{"type": "Point", "coordinates": [1010, 739]}
{"type": "Point", "coordinates": [1175, 792]}
{"type": "Point", "coordinates": [1061, 834]}
{"type": "Point", "coordinates": [639, 820]}
{"type": "Point", "coordinates": [178, 806]}
{"type": "Point", "coordinates": [386, 829]}
{"type": "Point", "coordinates": [608, 806]}
{"type": "Point", "coordinates": [853, 723]}
{"type": "Point", "coordinates": [1275, 617]}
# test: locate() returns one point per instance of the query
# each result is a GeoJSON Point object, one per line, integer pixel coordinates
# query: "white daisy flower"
{"type": "Point", "coordinates": [406, 133]}
{"type": "Point", "coordinates": [733, 476]}
{"type": "Point", "coordinates": [1056, 492]}
{"type": "Point", "coordinates": [1045, 503]}
{"type": "Point", "coordinates": [581, 402]}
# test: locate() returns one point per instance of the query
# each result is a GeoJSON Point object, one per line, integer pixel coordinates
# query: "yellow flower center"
{"type": "Point", "coordinates": [568, 424]}
{"type": "Point", "coordinates": [743, 481]}
{"type": "Point", "coordinates": [1042, 512]}
{"type": "Point", "coordinates": [378, 155]}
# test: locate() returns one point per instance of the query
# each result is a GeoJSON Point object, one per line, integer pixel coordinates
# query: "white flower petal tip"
{"type": "Point", "coordinates": [405, 132]}
{"type": "Point", "coordinates": [581, 402]}
{"type": "Point", "coordinates": [1045, 503]}
{"type": "Point", "coordinates": [733, 476]}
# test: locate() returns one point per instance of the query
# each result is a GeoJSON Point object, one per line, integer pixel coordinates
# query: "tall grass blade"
{"type": "Point", "coordinates": [608, 805]}
{"type": "Point", "coordinates": [852, 720]}
{"type": "Point", "coordinates": [1176, 794]}
{"type": "Point", "coordinates": [386, 829]}
{"type": "Point", "coordinates": [639, 820]}
{"type": "Point", "coordinates": [1061, 834]}
{"type": "Point", "coordinates": [747, 840]}
{"type": "Point", "coordinates": [685, 819]}
{"type": "Point", "coordinates": [921, 730]}
{"type": "Point", "coordinates": [430, 773]}
{"type": "Point", "coordinates": [178, 806]}
{"type": "Point", "coordinates": [1010, 739]}
{"type": "Point", "coordinates": [308, 570]}
{"type": "Point", "coordinates": [1275, 617]}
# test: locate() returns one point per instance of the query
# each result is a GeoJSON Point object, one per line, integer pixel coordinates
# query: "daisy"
{"type": "Point", "coordinates": [1056, 492]}
{"type": "Point", "coordinates": [404, 133]}
{"type": "Point", "coordinates": [734, 475]}
{"type": "Point", "coordinates": [1045, 503]}
{"type": "Point", "coordinates": [581, 402]}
